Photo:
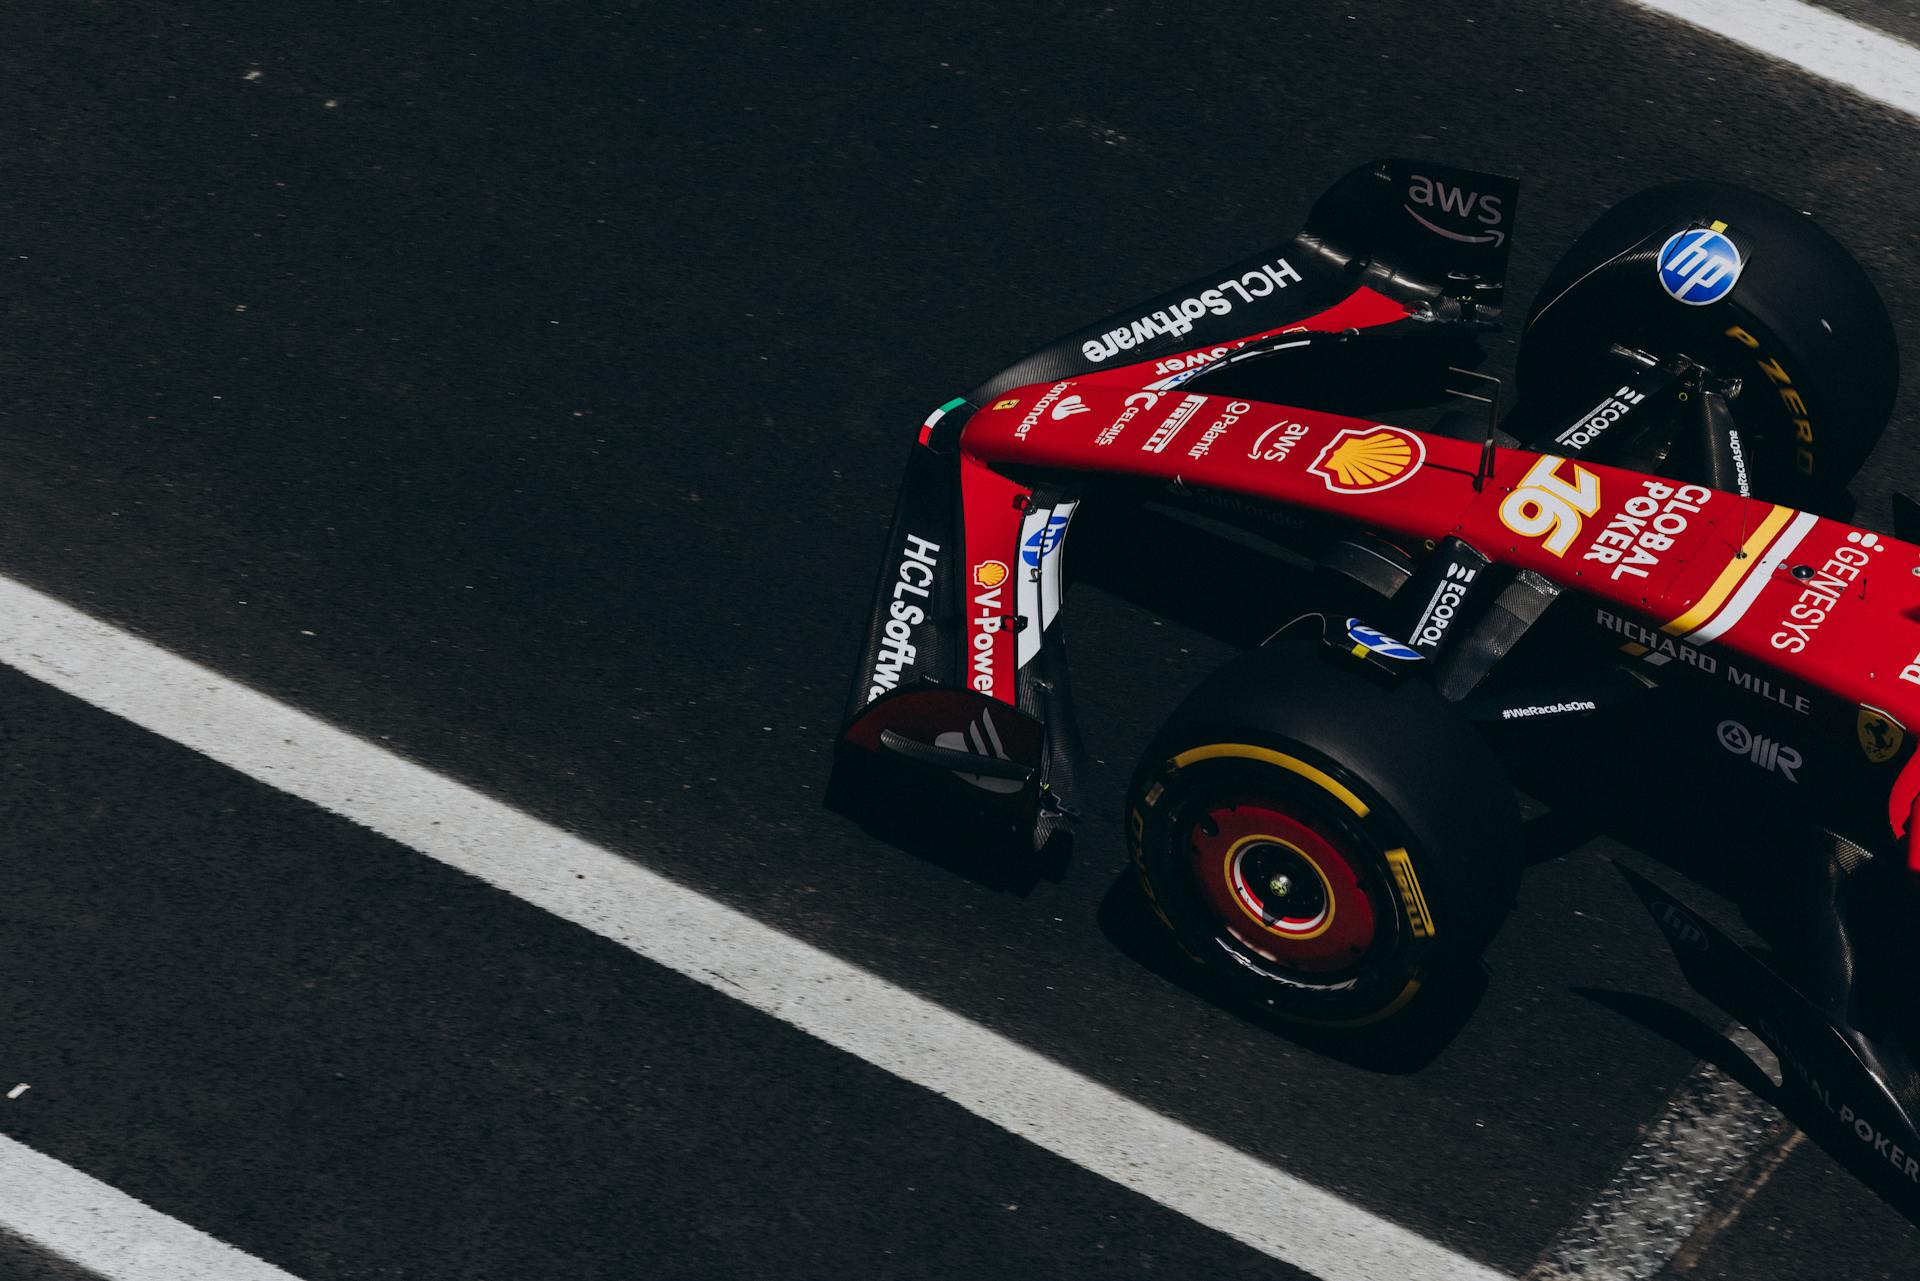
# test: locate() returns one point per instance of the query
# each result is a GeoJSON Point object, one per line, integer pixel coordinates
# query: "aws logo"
{"type": "Point", "coordinates": [1365, 460]}
{"type": "Point", "coordinates": [1456, 203]}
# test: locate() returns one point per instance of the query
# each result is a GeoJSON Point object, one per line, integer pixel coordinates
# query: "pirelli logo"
{"type": "Point", "coordinates": [1416, 903]}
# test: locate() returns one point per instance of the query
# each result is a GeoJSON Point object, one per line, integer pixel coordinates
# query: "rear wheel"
{"type": "Point", "coordinates": [1327, 844]}
{"type": "Point", "coordinates": [1754, 290]}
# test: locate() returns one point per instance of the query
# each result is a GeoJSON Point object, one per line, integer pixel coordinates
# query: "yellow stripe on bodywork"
{"type": "Point", "coordinates": [1730, 577]}
{"type": "Point", "coordinates": [1247, 751]}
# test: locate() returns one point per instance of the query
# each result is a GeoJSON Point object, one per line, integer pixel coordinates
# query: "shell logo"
{"type": "Point", "coordinates": [990, 574]}
{"type": "Point", "coordinates": [1364, 460]}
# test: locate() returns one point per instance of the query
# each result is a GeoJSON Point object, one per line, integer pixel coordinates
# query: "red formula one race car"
{"type": "Point", "coordinates": [1649, 539]}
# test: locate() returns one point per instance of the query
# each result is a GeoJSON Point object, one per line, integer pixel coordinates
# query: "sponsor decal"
{"type": "Point", "coordinates": [1039, 406]}
{"type": "Point", "coordinates": [1850, 1120]}
{"type": "Point", "coordinates": [1699, 266]}
{"type": "Point", "coordinates": [1594, 423]}
{"type": "Point", "coordinates": [1797, 412]}
{"type": "Point", "coordinates": [990, 576]}
{"type": "Point", "coordinates": [1037, 589]}
{"type": "Point", "coordinates": [1190, 362]}
{"type": "Point", "coordinates": [1678, 924]}
{"type": "Point", "coordinates": [1824, 588]}
{"type": "Point", "coordinates": [1170, 426]}
{"type": "Point", "coordinates": [1277, 441]}
{"type": "Point", "coordinates": [1911, 672]}
{"type": "Point", "coordinates": [1545, 709]}
{"type": "Point", "coordinates": [1769, 754]}
{"type": "Point", "coordinates": [1176, 319]}
{"type": "Point", "coordinates": [1744, 576]}
{"type": "Point", "coordinates": [1880, 734]}
{"type": "Point", "coordinates": [1657, 649]}
{"type": "Point", "coordinates": [1548, 506]}
{"type": "Point", "coordinates": [1481, 215]}
{"type": "Point", "coordinates": [982, 738]}
{"type": "Point", "coordinates": [1741, 483]}
{"type": "Point", "coordinates": [1419, 919]}
{"type": "Point", "coordinates": [913, 582]}
{"type": "Point", "coordinates": [1371, 640]}
{"type": "Point", "coordinates": [1442, 605]}
{"type": "Point", "coordinates": [1365, 460]}
{"type": "Point", "coordinates": [1008, 403]}
{"type": "Point", "coordinates": [1232, 414]}
{"type": "Point", "coordinates": [1645, 526]}
{"type": "Point", "coordinates": [1068, 408]}
{"type": "Point", "coordinates": [1042, 541]}
{"type": "Point", "coordinates": [1136, 404]}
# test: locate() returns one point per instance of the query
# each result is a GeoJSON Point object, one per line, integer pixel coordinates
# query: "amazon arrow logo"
{"type": "Point", "coordinates": [1459, 203]}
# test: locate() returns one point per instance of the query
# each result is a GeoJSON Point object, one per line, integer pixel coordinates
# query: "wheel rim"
{"type": "Point", "coordinates": [1287, 889]}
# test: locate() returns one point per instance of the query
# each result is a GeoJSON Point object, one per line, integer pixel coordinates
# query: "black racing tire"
{"type": "Point", "coordinates": [1802, 327]}
{"type": "Point", "coordinates": [1387, 814]}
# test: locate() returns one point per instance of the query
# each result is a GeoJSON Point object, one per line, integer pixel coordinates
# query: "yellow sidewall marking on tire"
{"type": "Point", "coordinates": [1247, 751]}
{"type": "Point", "coordinates": [1418, 917]}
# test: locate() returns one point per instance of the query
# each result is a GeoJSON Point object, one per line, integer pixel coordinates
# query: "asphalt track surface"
{"type": "Point", "coordinates": [525, 389]}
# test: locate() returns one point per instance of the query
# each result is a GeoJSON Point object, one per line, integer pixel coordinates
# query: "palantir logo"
{"type": "Point", "coordinates": [1699, 266]}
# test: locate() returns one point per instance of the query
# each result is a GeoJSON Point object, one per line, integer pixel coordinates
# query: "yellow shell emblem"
{"type": "Point", "coordinates": [990, 573]}
{"type": "Point", "coordinates": [1362, 459]}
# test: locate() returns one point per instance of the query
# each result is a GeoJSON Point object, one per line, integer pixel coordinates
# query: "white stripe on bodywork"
{"type": "Point", "coordinates": [1756, 582]}
{"type": "Point", "coordinates": [1027, 586]}
{"type": "Point", "coordinates": [1051, 570]}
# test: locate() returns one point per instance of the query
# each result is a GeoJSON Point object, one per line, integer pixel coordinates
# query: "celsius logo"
{"type": "Point", "coordinates": [1138, 401]}
{"type": "Point", "coordinates": [1043, 541]}
{"type": "Point", "coordinates": [1699, 265]}
{"type": "Point", "coordinates": [1459, 203]}
{"type": "Point", "coordinates": [1068, 408]}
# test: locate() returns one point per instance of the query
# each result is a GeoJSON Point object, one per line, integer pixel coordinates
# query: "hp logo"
{"type": "Point", "coordinates": [1698, 266]}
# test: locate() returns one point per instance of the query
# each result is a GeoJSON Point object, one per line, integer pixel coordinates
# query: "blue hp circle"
{"type": "Point", "coordinates": [1698, 266]}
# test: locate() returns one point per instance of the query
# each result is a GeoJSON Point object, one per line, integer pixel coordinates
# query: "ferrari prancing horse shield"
{"type": "Point", "coordinates": [1880, 734]}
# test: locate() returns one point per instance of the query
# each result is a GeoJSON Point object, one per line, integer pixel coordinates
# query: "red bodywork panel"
{"type": "Point", "coordinates": [1836, 606]}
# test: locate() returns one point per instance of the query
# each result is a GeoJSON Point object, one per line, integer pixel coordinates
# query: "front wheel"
{"type": "Point", "coordinates": [1326, 843]}
{"type": "Point", "coordinates": [1748, 287]}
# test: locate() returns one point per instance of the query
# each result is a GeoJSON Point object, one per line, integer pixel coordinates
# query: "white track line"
{"type": "Point", "coordinates": [847, 1007]}
{"type": "Point", "coordinates": [107, 1232]}
{"type": "Point", "coordinates": [1866, 60]}
{"type": "Point", "coordinates": [1688, 1165]}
